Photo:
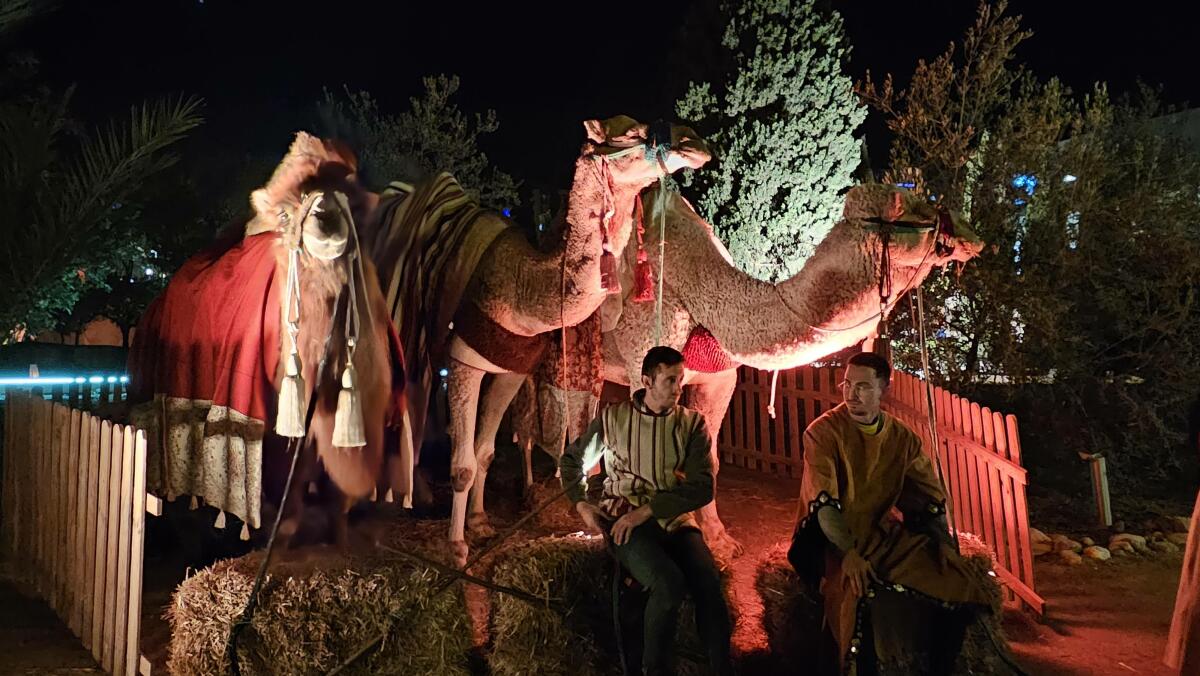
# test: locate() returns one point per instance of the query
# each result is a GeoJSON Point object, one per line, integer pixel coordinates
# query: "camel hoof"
{"type": "Point", "coordinates": [479, 526]}
{"type": "Point", "coordinates": [724, 548]}
{"type": "Point", "coordinates": [458, 550]}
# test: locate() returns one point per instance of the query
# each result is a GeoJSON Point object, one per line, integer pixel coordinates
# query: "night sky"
{"type": "Point", "coordinates": [544, 67]}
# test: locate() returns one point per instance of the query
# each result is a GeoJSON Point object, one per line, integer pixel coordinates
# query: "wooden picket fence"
{"type": "Point", "coordinates": [74, 506]}
{"type": "Point", "coordinates": [979, 452]}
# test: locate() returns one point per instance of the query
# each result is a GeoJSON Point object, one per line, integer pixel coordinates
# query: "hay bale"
{"type": "Point", "coordinates": [314, 614]}
{"type": "Point", "coordinates": [792, 614]}
{"type": "Point", "coordinates": [576, 573]}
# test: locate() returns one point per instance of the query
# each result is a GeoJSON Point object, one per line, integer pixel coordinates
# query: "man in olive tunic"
{"type": "Point", "coordinates": [897, 594]}
{"type": "Point", "coordinates": [658, 470]}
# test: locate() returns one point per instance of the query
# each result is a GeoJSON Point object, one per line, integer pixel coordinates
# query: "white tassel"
{"type": "Point", "coordinates": [348, 425]}
{"type": "Point", "coordinates": [289, 421]}
{"type": "Point", "coordinates": [245, 533]}
{"type": "Point", "coordinates": [220, 522]}
{"type": "Point", "coordinates": [194, 504]}
{"type": "Point", "coordinates": [389, 497]}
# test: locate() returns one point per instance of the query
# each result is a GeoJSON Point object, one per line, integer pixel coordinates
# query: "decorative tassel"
{"type": "Point", "coordinates": [194, 504]}
{"type": "Point", "coordinates": [643, 276]}
{"type": "Point", "coordinates": [220, 522]}
{"type": "Point", "coordinates": [375, 494]}
{"type": "Point", "coordinates": [389, 497]}
{"type": "Point", "coordinates": [245, 535]}
{"type": "Point", "coordinates": [289, 421]}
{"type": "Point", "coordinates": [608, 273]}
{"type": "Point", "coordinates": [348, 427]}
{"type": "Point", "coordinates": [643, 279]}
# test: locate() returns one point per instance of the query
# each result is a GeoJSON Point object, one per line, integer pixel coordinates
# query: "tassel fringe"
{"type": "Point", "coordinates": [643, 276]}
{"type": "Point", "coordinates": [245, 534]}
{"type": "Point", "coordinates": [608, 273]}
{"type": "Point", "coordinates": [289, 420]}
{"type": "Point", "coordinates": [220, 522]}
{"type": "Point", "coordinates": [348, 427]}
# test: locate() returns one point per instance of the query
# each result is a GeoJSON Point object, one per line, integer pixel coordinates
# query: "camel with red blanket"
{"type": "Point", "coordinates": [277, 336]}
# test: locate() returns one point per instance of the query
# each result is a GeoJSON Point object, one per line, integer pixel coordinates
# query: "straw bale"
{"type": "Point", "coordinates": [573, 634]}
{"type": "Point", "coordinates": [314, 612]}
{"type": "Point", "coordinates": [792, 614]}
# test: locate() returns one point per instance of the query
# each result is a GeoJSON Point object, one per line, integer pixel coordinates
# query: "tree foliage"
{"type": "Point", "coordinates": [431, 136]}
{"type": "Point", "coordinates": [783, 125]}
{"type": "Point", "coordinates": [1081, 316]}
{"type": "Point", "coordinates": [63, 191]}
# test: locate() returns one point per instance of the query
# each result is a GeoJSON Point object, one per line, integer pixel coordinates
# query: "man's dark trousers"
{"type": "Point", "coordinates": [668, 566]}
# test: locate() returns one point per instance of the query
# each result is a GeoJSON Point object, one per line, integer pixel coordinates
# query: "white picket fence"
{"type": "Point", "coordinates": [74, 505]}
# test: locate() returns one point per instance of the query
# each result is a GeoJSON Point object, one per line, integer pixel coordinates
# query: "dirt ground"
{"type": "Point", "coordinates": [1101, 618]}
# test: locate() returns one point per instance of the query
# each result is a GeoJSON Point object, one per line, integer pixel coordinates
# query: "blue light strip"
{"type": "Point", "coordinates": [61, 380]}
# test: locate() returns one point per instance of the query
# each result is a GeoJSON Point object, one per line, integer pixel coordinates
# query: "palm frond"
{"type": "Point", "coordinates": [114, 162]}
{"type": "Point", "coordinates": [13, 13]}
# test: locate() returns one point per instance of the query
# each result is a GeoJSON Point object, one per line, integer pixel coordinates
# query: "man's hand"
{"type": "Point", "coordinates": [625, 525]}
{"type": "Point", "coordinates": [592, 515]}
{"type": "Point", "coordinates": [857, 572]}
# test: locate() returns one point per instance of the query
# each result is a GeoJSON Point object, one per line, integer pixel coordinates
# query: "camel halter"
{"type": "Point", "coordinates": [348, 429]}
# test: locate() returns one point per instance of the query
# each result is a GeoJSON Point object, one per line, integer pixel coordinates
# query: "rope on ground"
{"type": "Point", "coordinates": [452, 578]}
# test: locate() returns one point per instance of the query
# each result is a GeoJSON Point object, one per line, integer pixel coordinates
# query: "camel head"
{"type": "Point", "coordinates": [922, 234]}
{"type": "Point", "coordinates": [308, 199]}
{"type": "Point", "coordinates": [638, 154]}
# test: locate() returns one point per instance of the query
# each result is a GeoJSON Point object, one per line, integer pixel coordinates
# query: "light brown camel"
{"type": "Point", "coordinates": [516, 294]}
{"type": "Point", "coordinates": [720, 317]}
{"type": "Point", "coordinates": [211, 353]}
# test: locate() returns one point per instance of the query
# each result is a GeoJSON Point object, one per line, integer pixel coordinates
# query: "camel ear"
{"type": "Point", "coordinates": [263, 220]}
{"type": "Point", "coordinates": [338, 151]}
{"type": "Point", "coordinates": [595, 131]}
{"type": "Point", "coordinates": [260, 200]}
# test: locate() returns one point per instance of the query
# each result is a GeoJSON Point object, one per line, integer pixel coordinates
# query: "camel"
{"type": "Point", "coordinates": [511, 293]}
{"type": "Point", "coordinates": [212, 353]}
{"type": "Point", "coordinates": [720, 317]}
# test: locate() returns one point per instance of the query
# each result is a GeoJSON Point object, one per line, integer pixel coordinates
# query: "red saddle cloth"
{"type": "Point", "coordinates": [213, 335]}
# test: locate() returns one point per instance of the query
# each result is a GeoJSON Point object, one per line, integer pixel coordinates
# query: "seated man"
{"type": "Point", "coordinates": [898, 597]}
{"type": "Point", "coordinates": [658, 470]}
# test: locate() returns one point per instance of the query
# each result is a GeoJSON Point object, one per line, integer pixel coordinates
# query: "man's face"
{"type": "Point", "coordinates": [664, 388]}
{"type": "Point", "coordinates": [861, 391]}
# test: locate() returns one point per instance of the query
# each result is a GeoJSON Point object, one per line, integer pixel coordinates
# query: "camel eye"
{"type": "Point", "coordinates": [284, 216]}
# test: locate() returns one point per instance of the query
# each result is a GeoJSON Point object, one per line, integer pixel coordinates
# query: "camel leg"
{"type": "Point", "coordinates": [710, 397]}
{"type": "Point", "coordinates": [306, 469]}
{"type": "Point", "coordinates": [527, 454]}
{"type": "Point", "coordinates": [499, 394]}
{"type": "Point", "coordinates": [462, 387]}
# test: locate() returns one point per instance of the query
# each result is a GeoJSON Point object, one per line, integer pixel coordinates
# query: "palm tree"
{"type": "Point", "coordinates": [62, 192]}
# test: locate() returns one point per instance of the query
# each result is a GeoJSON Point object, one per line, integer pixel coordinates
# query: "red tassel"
{"type": "Point", "coordinates": [608, 273]}
{"type": "Point", "coordinates": [643, 279]}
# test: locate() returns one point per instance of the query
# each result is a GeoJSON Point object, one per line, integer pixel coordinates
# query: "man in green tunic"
{"type": "Point", "coordinates": [872, 537]}
{"type": "Point", "coordinates": [658, 470]}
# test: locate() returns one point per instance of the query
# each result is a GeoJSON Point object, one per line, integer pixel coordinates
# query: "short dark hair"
{"type": "Point", "coordinates": [660, 356]}
{"type": "Point", "coordinates": [878, 364]}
